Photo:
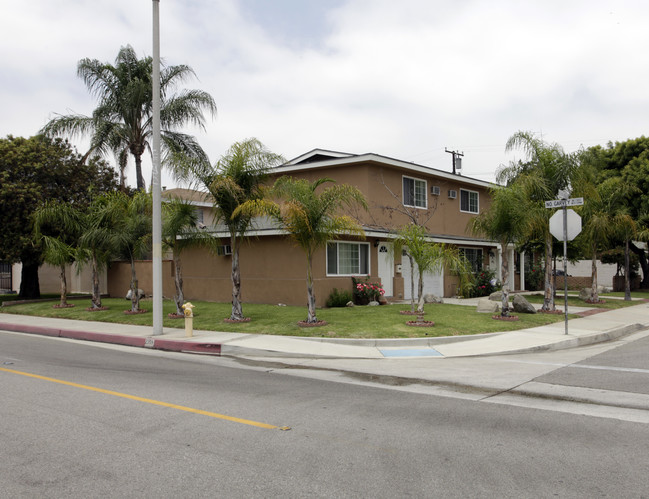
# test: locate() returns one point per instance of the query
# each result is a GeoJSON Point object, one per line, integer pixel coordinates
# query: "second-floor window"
{"type": "Point", "coordinates": [469, 201]}
{"type": "Point", "coordinates": [414, 192]}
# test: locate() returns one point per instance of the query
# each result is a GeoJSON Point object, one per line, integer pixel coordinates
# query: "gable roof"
{"type": "Point", "coordinates": [322, 158]}
{"type": "Point", "coordinates": [197, 198]}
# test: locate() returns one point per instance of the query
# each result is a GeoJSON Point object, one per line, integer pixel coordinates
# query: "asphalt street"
{"type": "Point", "coordinates": [90, 420]}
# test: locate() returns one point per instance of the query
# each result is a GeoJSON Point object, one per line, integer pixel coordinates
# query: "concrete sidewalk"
{"type": "Point", "coordinates": [596, 328]}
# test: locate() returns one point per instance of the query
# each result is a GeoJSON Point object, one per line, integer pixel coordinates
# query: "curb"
{"type": "Point", "coordinates": [117, 339]}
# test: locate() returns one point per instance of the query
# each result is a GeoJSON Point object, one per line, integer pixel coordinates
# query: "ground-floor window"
{"type": "Point", "coordinates": [474, 256]}
{"type": "Point", "coordinates": [345, 258]}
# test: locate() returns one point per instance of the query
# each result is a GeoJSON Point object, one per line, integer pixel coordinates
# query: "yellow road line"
{"type": "Point", "coordinates": [150, 401]}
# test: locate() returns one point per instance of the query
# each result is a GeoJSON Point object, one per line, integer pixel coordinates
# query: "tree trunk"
{"type": "Point", "coordinates": [96, 295]}
{"type": "Point", "coordinates": [135, 295]}
{"type": "Point", "coordinates": [644, 264]}
{"type": "Point", "coordinates": [138, 172]}
{"type": "Point", "coordinates": [420, 292]}
{"type": "Point", "coordinates": [548, 297]}
{"type": "Point", "coordinates": [237, 311]}
{"type": "Point", "coordinates": [504, 304]}
{"type": "Point", "coordinates": [178, 281]}
{"type": "Point", "coordinates": [594, 294]}
{"type": "Point", "coordinates": [311, 317]}
{"type": "Point", "coordinates": [29, 286]}
{"type": "Point", "coordinates": [412, 283]}
{"type": "Point", "coordinates": [64, 286]}
{"type": "Point", "coordinates": [627, 271]}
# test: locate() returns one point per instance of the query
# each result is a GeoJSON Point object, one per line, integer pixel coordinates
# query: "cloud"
{"type": "Point", "coordinates": [405, 79]}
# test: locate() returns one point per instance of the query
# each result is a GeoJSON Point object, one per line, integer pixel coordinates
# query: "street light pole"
{"type": "Point", "coordinates": [156, 184]}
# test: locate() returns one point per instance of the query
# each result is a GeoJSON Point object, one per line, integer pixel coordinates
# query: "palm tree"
{"type": "Point", "coordinates": [129, 219]}
{"type": "Point", "coordinates": [506, 221]}
{"type": "Point", "coordinates": [122, 121]}
{"type": "Point", "coordinates": [429, 257]}
{"type": "Point", "coordinates": [310, 218]}
{"type": "Point", "coordinates": [57, 224]}
{"type": "Point", "coordinates": [547, 171]}
{"type": "Point", "coordinates": [179, 232]}
{"type": "Point", "coordinates": [236, 178]}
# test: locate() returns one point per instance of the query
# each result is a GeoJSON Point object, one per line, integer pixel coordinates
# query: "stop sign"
{"type": "Point", "coordinates": [573, 221]}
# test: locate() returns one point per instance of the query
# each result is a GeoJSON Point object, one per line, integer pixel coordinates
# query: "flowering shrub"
{"type": "Point", "coordinates": [535, 277]}
{"type": "Point", "coordinates": [365, 292]}
{"type": "Point", "coordinates": [485, 283]}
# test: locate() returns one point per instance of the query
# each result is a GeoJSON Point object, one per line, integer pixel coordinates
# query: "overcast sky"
{"type": "Point", "coordinates": [403, 79]}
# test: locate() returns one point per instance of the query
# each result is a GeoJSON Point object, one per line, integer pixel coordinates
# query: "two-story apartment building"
{"type": "Point", "coordinates": [273, 269]}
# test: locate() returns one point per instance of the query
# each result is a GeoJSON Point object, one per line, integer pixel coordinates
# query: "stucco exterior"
{"type": "Point", "coordinates": [273, 269]}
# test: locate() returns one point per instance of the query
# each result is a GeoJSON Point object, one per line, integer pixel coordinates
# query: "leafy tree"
{"type": "Point", "coordinates": [128, 220]}
{"type": "Point", "coordinates": [507, 222]}
{"type": "Point", "coordinates": [309, 216]}
{"type": "Point", "coordinates": [122, 122]}
{"type": "Point", "coordinates": [33, 171]}
{"type": "Point", "coordinates": [235, 179]}
{"type": "Point", "coordinates": [546, 172]}
{"type": "Point", "coordinates": [179, 232]}
{"type": "Point", "coordinates": [429, 257]}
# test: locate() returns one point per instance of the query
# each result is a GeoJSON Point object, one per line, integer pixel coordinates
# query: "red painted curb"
{"type": "Point", "coordinates": [134, 341]}
{"type": "Point", "coordinates": [102, 337]}
{"type": "Point", "coordinates": [26, 328]}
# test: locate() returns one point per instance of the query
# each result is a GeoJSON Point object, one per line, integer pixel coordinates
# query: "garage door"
{"type": "Point", "coordinates": [433, 282]}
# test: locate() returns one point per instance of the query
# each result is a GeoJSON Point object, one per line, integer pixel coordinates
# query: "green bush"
{"type": "Point", "coordinates": [339, 298]}
{"type": "Point", "coordinates": [535, 277]}
{"type": "Point", "coordinates": [484, 283]}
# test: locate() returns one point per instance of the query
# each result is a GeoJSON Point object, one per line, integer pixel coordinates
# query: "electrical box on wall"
{"type": "Point", "coordinates": [399, 268]}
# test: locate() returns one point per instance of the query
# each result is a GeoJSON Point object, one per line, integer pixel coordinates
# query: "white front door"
{"type": "Point", "coordinates": [433, 281]}
{"type": "Point", "coordinates": [386, 267]}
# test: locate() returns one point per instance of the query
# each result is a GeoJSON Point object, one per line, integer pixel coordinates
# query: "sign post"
{"type": "Point", "coordinates": [565, 225]}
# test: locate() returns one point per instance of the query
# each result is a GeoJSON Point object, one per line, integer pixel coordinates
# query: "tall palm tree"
{"type": "Point", "coordinates": [506, 221]}
{"type": "Point", "coordinates": [309, 216]}
{"type": "Point", "coordinates": [546, 172]}
{"type": "Point", "coordinates": [129, 218]}
{"type": "Point", "coordinates": [122, 121]}
{"type": "Point", "coordinates": [429, 257]}
{"type": "Point", "coordinates": [236, 178]}
{"type": "Point", "coordinates": [179, 232]}
{"type": "Point", "coordinates": [58, 224]}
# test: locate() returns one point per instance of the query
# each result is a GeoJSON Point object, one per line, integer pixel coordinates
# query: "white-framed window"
{"type": "Point", "coordinates": [199, 215]}
{"type": "Point", "coordinates": [469, 201]}
{"type": "Point", "coordinates": [347, 258]}
{"type": "Point", "coordinates": [414, 192]}
{"type": "Point", "coordinates": [474, 256]}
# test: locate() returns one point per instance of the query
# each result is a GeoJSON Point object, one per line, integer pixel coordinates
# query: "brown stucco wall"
{"type": "Point", "coordinates": [119, 278]}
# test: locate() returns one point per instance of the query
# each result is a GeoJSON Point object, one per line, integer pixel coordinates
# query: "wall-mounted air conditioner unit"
{"type": "Point", "coordinates": [435, 190]}
{"type": "Point", "coordinates": [452, 194]}
{"type": "Point", "coordinates": [224, 249]}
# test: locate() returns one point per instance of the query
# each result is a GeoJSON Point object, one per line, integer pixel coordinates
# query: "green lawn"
{"type": "Point", "coordinates": [574, 301]}
{"type": "Point", "coordinates": [356, 322]}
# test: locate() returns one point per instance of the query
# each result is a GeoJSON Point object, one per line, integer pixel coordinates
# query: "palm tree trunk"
{"type": "Point", "coordinates": [311, 317]}
{"type": "Point", "coordinates": [504, 304]}
{"type": "Point", "coordinates": [135, 295]}
{"type": "Point", "coordinates": [138, 172]}
{"type": "Point", "coordinates": [627, 271]}
{"type": "Point", "coordinates": [593, 295]}
{"type": "Point", "coordinates": [237, 312]}
{"type": "Point", "coordinates": [420, 293]}
{"type": "Point", "coordinates": [96, 296]}
{"type": "Point", "coordinates": [412, 283]}
{"type": "Point", "coordinates": [64, 286]}
{"type": "Point", "coordinates": [548, 297]}
{"type": "Point", "coordinates": [178, 281]}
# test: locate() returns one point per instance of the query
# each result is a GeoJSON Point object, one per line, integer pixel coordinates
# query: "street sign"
{"type": "Point", "coordinates": [573, 225]}
{"type": "Point", "coordinates": [560, 203]}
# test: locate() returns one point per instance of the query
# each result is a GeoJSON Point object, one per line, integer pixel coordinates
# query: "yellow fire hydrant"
{"type": "Point", "coordinates": [189, 319]}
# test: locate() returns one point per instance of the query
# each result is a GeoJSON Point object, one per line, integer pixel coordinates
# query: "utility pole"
{"type": "Point", "coordinates": [457, 162]}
